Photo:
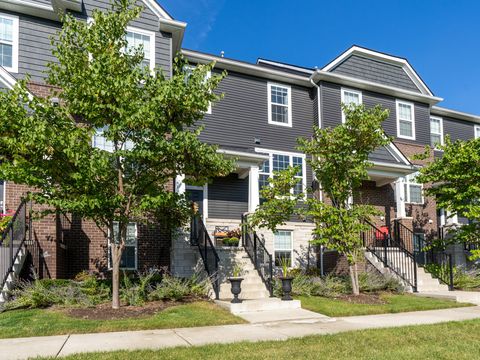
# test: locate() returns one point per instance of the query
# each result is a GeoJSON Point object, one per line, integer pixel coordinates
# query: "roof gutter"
{"type": "Point", "coordinates": [177, 29]}
{"type": "Point", "coordinates": [436, 110]}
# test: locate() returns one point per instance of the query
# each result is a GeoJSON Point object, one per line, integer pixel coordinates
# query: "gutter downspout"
{"type": "Point", "coordinates": [318, 102]}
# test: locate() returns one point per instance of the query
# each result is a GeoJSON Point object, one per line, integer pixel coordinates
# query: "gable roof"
{"type": "Point", "coordinates": [381, 57]}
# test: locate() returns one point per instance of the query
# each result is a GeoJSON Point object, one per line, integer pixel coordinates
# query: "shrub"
{"type": "Point", "coordinates": [173, 288]}
{"type": "Point", "coordinates": [329, 286]}
{"type": "Point", "coordinates": [466, 279]}
{"type": "Point", "coordinates": [233, 241]}
{"type": "Point", "coordinates": [136, 292]}
{"type": "Point", "coordinates": [373, 281]}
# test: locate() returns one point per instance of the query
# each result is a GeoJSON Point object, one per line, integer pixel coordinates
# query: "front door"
{"type": "Point", "coordinates": [196, 196]}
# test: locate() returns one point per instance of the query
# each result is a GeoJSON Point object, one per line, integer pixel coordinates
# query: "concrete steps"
{"type": "Point", "coordinates": [14, 275]}
{"type": "Point", "coordinates": [258, 305]}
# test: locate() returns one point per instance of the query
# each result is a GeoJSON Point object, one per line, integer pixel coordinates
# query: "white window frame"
{"type": "Point", "coordinates": [289, 90]}
{"type": "Point", "coordinates": [208, 76]}
{"type": "Point", "coordinates": [136, 250]}
{"type": "Point", "coordinates": [441, 129]}
{"type": "Point", "coordinates": [412, 105]}
{"type": "Point", "coordinates": [282, 250]}
{"type": "Point", "coordinates": [151, 34]}
{"type": "Point", "coordinates": [343, 91]}
{"type": "Point", "coordinates": [476, 131]}
{"type": "Point", "coordinates": [15, 42]}
{"type": "Point", "coordinates": [291, 155]}
{"type": "Point", "coordinates": [408, 183]}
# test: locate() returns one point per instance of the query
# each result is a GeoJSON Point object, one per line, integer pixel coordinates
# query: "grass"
{"type": "Point", "coordinates": [394, 304]}
{"type": "Point", "coordinates": [454, 340]}
{"type": "Point", "coordinates": [44, 322]}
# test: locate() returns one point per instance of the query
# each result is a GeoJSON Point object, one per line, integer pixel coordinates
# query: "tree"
{"type": "Point", "coordinates": [146, 118]}
{"type": "Point", "coordinates": [279, 203]}
{"type": "Point", "coordinates": [455, 179]}
{"type": "Point", "coordinates": [339, 159]}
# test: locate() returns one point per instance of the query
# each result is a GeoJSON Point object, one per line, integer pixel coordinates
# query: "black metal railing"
{"type": "Point", "coordinates": [440, 265]}
{"type": "Point", "coordinates": [12, 241]}
{"type": "Point", "coordinates": [199, 237]}
{"type": "Point", "coordinates": [391, 252]}
{"type": "Point", "coordinates": [258, 253]}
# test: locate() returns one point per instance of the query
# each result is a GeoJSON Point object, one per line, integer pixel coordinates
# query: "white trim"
{"type": "Point", "coordinates": [285, 66]}
{"type": "Point", "coordinates": [15, 42]}
{"type": "Point", "coordinates": [204, 189]}
{"type": "Point", "coordinates": [409, 183]}
{"type": "Point", "coordinates": [441, 129]}
{"type": "Point", "coordinates": [4, 208]}
{"type": "Point", "coordinates": [150, 34]}
{"type": "Point", "coordinates": [343, 90]}
{"type": "Point", "coordinates": [242, 154]}
{"type": "Point", "coordinates": [280, 250]}
{"type": "Point", "coordinates": [437, 110]}
{"type": "Point", "coordinates": [356, 50]}
{"type": "Point", "coordinates": [157, 9]}
{"type": "Point", "coordinates": [109, 254]}
{"type": "Point", "coordinates": [412, 105]}
{"type": "Point", "coordinates": [396, 153]}
{"type": "Point", "coordinates": [289, 106]}
{"type": "Point", "coordinates": [476, 130]}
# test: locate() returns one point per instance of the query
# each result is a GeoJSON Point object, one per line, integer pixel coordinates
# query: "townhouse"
{"type": "Point", "coordinates": [266, 107]}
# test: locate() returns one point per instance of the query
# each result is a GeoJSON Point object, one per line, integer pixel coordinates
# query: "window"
{"type": "Point", "coordinates": [477, 131]}
{"type": "Point", "coordinates": [405, 120]}
{"type": "Point", "coordinates": [283, 246]}
{"type": "Point", "coordinates": [281, 161]}
{"type": "Point", "coordinates": [129, 255]}
{"type": "Point", "coordinates": [279, 105]}
{"type": "Point", "coordinates": [9, 42]}
{"type": "Point", "coordinates": [188, 72]}
{"type": "Point", "coordinates": [413, 190]}
{"type": "Point", "coordinates": [436, 131]}
{"type": "Point", "coordinates": [137, 37]}
{"type": "Point", "coordinates": [350, 97]}
{"type": "Point", "coordinates": [100, 142]}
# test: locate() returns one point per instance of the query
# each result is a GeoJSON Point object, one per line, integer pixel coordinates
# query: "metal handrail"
{"type": "Point", "coordinates": [392, 253]}
{"type": "Point", "coordinates": [199, 237]}
{"type": "Point", "coordinates": [258, 253]}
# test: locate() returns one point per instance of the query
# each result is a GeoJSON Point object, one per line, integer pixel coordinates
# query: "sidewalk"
{"type": "Point", "coordinates": [63, 345]}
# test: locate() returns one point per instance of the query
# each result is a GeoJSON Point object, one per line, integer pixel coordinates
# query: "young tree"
{"type": "Point", "coordinates": [145, 116]}
{"type": "Point", "coordinates": [455, 179]}
{"type": "Point", "coordinates": [339, 159]}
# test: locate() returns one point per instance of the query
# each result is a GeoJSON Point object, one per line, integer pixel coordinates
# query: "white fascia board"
{"type": "Point", "coordinates": [157, 9]}
{"type": "Point", "coordinates": [29, 8]}
{"type": "Point", "coordinates": [403, 170]}
{"type": "Point", "coordinates": [7, 79]}
{"type": "Point", "coordinates": [246, 68]}
{"type": "Point", "coordinates": [368, 85]}
{"type": "Point", "coordinates": [177, 29]}
{"type": "Point", "coordinates": [436, 110]}
{"type": "Point", "coordinates": [356, 50]}
{"type": "Point", "coordinates": [285, 66]}
{"type": "Point", "coordinates": [243, 155]}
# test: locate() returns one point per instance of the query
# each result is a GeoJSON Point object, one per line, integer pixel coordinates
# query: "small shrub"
{"type": "Point", "coordinates": [233, 241]}
{"type": "Point", "coordinates": [466, 279]}
{"type": "Point", "coordinates": [373, 281]}
{"type": "Point", "coordinates": [173, 288]}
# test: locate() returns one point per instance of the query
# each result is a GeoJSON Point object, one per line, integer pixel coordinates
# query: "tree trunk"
{"type": "Point", "coordinates": [116, 256]}
{"type": "Point", "coordinates": [354, 278]}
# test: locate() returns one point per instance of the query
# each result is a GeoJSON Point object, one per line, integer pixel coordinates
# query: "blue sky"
{"type": "Point", "coordinates": [441, 39]}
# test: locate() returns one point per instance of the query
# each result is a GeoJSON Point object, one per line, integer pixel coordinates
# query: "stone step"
{"type": "Point", "coordinates": [266, 304]}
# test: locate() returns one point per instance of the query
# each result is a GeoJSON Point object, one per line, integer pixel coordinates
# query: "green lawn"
{"type": "Point", "coordinates": [44, 322]}
{"type": "Point", "coordinates": [454, 340]}
{"type": "Point", "coordinates": [395, 304]}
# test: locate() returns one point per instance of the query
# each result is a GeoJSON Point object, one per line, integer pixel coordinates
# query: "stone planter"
{"type": "Point", "coordinates": [286, 288]}
{"type": "Point", "coordinates": [236, 288]}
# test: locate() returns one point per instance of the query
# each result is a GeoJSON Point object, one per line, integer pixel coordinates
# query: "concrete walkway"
{"type": "Point", "coordinates": [156, 339]}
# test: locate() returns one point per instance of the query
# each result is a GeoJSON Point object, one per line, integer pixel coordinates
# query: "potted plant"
{"type": "Point", "coordinates": [236, 281]}
{"type": "Point", "coordinates": [231, 241]}
{"type": "Point", "coordinates": [286, 278]}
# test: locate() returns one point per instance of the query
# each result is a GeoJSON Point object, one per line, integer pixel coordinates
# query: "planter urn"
{"type": "Point", "coordinates": [286, 288]}
{"type": "Point", "coordinates": [236, 288]}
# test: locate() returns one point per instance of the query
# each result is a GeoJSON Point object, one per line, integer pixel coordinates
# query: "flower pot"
{"type": "Point", "coordinates": [236, 288]}
{"type": "Point", "coordinates": [286, 288]}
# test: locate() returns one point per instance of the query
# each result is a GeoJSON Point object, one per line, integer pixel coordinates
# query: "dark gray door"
{"type": "Point", "coordinates": [196, 196]}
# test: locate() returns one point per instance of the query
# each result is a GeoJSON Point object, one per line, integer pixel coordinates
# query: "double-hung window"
{"type": "Point", "coordinates": [477, 131]}
{"type": "Point", "coordinates": [138, 37]}
{"type": "Point", "coordinates": [9, 42]}
{"type": "Point", "coordinates": [405, 120]}
{"type": "Point", "coordinates": [188, 69]}
{"type": "Point", "coordinates": [350, 97]}
{"type": "Point", "coordinates": [413, 190]}
{"type": "Point", "coordinates": [100, 141]}
{"type": "Point", "coordinates": [436, 131]}
{"type": "Point", "coordinates": [283, 246]}
{"type": "Point", "coordinates": [279, 104]}
{"type": "Point", "coordinates": [280, 161]}
{"type": "Point", "coordinates": [129, 255]}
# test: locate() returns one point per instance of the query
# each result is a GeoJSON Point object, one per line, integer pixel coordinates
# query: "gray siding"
{"type": "Point", "coordinates": [228, 197]}
{"type": "Point", "coordinates": [332, 113]}
{"type": "Point", "coordinates": [242, 115]}
{"type": "Point", "coordinates": [383, 155]}
{"type": "Point", "coordinates": [458, 129]}
{"type": "Point", "coordinates": [35, 34]}
{"type": "Point", "coordinates": [375, 71]}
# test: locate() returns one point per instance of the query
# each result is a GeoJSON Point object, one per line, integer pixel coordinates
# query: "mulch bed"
{"type": "Point", "coordinates": [366, 299]}
{"type": "Point", "coordinates": [105, 312]}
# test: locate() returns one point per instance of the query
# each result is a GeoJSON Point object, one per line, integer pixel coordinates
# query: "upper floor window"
{"type": "Point", "coordinates": [436, 131]}
{"type": "Point", "coordinates": [280, 161]}
{"type": "Point", "coordinates": [279, 105]}
{"type": "Point", "coordinates": [413, 190]}
{"type": "Point", "coordinates": [9, 42]}
{"type": "Point", "coordinates": [188, 69]}
{"type": "Point", "coordinates": [350, 97]}
{"type": "Point", "coordinates": [477, 131]}
{"type": "Point", "coordinates": [137, 37]}
{"type": "Point", "coordinates": [100, 141]}
{"type": "Point", "coordinates": [405, 120]}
